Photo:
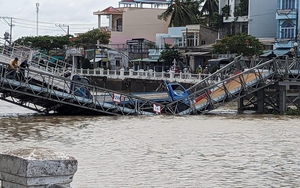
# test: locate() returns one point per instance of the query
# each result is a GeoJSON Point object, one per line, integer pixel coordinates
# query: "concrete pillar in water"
{"type": "Point", "coordinates": [36, 168]}
{"type": "Point", "coordinates": [260, 101]}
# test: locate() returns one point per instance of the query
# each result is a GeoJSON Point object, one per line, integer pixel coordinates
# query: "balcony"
{"type": "Point", "coordinates": [283, 14]}
{"type": "Point", "coordinates": [235, 19]}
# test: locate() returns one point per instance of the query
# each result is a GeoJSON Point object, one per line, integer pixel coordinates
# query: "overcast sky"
{"type": "Point", "coordinates": [78, 14]}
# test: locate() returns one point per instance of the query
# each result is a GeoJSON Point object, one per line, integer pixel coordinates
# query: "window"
{"type": "Point", "coordinates": [119, 24]}
{"type": "Point", "coordinates": [118, 63]}
{"type": "Point", "coordinates": [287, 30]}
{"type": "Point", "coordinates": [192, 39]}
{"type": "Point", "coordinates": [288, 4]}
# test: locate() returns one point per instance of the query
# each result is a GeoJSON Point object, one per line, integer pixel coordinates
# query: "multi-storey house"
{"type": "Point", "coordinates": [133, 19]}
{"type": "Point", "coordinates": [287, 17]}
{"type": "Point", "coordinates": [253, 17]}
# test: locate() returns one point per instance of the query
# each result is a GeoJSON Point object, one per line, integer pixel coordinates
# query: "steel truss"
{"type": "Point", "coordinates": [233, 87]}
{"type": "Point", "coordinates": [45, 92]}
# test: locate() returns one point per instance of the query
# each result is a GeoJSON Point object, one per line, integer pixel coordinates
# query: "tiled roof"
{"type": "Point", "coordinates": [110, 9]}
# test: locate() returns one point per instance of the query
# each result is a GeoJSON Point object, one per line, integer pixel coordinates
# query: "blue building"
{"type": "Point", "coordinates": [287, 17]}
{"type": "Point", "coordinates": [253, 17]}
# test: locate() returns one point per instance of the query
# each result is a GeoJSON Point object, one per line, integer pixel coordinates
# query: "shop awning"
{"type": "Point", "coordinates": [195, 53]}
{"type": "Point", "coordinates": [144, 60]}
{"type": "Point", "coordinates": [277, 52]}
{"type": "Point", "coordinates": [97, 59]}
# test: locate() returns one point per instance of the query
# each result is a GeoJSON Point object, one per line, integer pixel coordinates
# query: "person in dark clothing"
{"type": "Point", "coordinates": [23, 67]}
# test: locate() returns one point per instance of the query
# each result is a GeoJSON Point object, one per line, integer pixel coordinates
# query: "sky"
{"type": "Point", "coordinates": [53, 16]}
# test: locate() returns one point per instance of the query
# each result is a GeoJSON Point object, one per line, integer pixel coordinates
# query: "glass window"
{"type": "Point", "coordinates": [288, 4]}
{"type": "Point", "coordinates": [287, 30]}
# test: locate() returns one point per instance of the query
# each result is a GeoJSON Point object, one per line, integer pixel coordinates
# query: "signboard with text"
{"type": "Point", "coordinates": [157, 108]}
{"type": "Point", "coordinates": [117, 97]}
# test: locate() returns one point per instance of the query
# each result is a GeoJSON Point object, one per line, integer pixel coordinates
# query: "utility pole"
{"type": "Point", "coordinates": [64, 25]}
{"type": "Point", "coordinates": [10, 31]}
{"type": "Point", "coordinates": [37, 18]}
{"type": "Point", "coordinates": [296, 33]}
{"type": "Point", "coordinates": [9, 23]}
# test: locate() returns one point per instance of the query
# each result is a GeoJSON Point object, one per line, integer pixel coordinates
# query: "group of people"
{"type": "Point", "coordinates": [14, 67]}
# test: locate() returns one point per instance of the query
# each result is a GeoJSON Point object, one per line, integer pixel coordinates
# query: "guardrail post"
{"type": "Point", "coordinates": [172, 73]}
{"type": "Point", "coordinates": [130, 73]}
{"type": "Point", "coordinates": [122, 70]}
{"type": "Point", "coordinates": [36, 167]}
{"type": "Point", "coordinates": [150, 71]}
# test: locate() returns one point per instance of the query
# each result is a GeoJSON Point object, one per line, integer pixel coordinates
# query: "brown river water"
{"type": "Point", "coordinates": [165, 151]}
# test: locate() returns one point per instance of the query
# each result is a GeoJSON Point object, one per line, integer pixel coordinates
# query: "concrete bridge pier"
{"type": "Point", "coordinates": [36, 168]}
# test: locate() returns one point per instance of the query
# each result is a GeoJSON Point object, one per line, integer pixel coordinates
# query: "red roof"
{"type": "Point", "coordinates": [127, 1]}
{"type": "Point", "coordinates": [110, 9]}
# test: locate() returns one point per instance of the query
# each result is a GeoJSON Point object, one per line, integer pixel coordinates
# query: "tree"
{"type": "Point", "coordinates": [209, 8]}
{"type": "Point", "coordinates": [181, 13]}
{"type": "Point", "coordinates": [90, 38]}
{"type": "Point", "coordinates": [168, 55]}
{"type": "Point", "coordinates": [241, 44]}
{"type": "Point", "coordinates": [45, 43]}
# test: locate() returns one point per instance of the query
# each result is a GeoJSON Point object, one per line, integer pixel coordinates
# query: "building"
{"type": "Point", "coordinates": [254, 17]}
{"type": "Point", "coordinates": [287, 18]}
{"type": "Point", "coordinates": [131, 21]}
{"type": "Point", "coordinates": [132, 25]}
{"type": "Point", "coordinates": [193, 41]}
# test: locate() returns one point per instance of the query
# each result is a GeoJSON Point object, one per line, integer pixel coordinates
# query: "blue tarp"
{"type": "Point", "coordinates": [277, 52]}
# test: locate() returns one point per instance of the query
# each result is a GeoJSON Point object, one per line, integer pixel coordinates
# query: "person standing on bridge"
{"type": "Point", "coordinates": [12, 68]}
{"type": "Point", "coordinates": [23, 67]}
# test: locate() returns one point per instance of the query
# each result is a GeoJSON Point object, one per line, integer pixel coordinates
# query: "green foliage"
{"type": "Point", "coordinates": [217, 21]}
{"type": "Point", "coordinates": [210, 7]}
{"type": "Point", "coordinates": [46, 43]}
{"type": "Point", "coordinates": [241, 9]}
{"type": "Point", "coordinates": [169, 55]}
{"type": "Point", "coordinates": [90, 38]}
{"type": "Point", "coordinates": [226, 11]}
{"type": "Point", "coordinates": [151, 45]}
{"type": "Point", "coordinates": [241, 44]}
{"type": "Point", "coordinates": [181, 13]}
{"type": "Point", "coordinates": [292, 112]}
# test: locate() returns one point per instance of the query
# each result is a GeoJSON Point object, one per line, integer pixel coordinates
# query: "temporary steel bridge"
{"type": "Point", "coordinates": [46, 89]}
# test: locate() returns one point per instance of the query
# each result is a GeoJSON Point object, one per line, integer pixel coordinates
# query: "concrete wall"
{"type": "Point", "coordinates": [36, 168]}
{"type": "Point", "coordinates": [129, 85]}
{"type": "Point", "coordinates": [262, 18]}
{"type": "Point", "coordinates": [140, 23]}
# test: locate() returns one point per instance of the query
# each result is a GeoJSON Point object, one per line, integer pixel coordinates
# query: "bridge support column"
{"type": "Point", "coordinates": [282, 98]}
{"type": "Point", "coordinates": [260, 101]}
{"type": "Point", "coordinates": [241, 105]}
{"type": "Point", "coordinates": [36, 167]}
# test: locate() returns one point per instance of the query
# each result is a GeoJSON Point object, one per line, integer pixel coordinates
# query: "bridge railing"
{"type": "Point", "coordinates": [141, 74]}
{"type": "Point", "coordinates": [36, 59]}
{"type": "Point", "coordinates": [38, 87]}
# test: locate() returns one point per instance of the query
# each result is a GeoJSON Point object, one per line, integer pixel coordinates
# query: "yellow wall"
{"type": "Point", "coordinates": [140, 23]}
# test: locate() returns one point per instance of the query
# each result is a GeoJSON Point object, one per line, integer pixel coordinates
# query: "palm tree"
{"type": "Point", "coordinates": [209, 8]}
{"type": "Point", "coordinates": [181, 13]}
